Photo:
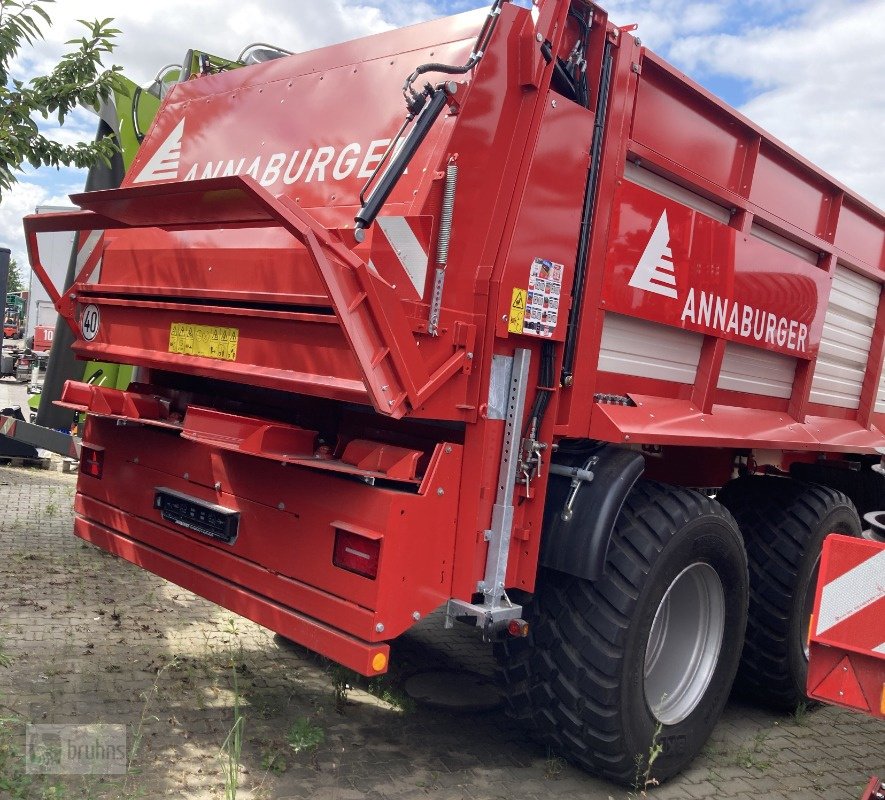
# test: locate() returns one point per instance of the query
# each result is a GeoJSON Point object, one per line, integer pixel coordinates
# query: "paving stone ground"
{"type": "Point", "coordinates": [92, 639]}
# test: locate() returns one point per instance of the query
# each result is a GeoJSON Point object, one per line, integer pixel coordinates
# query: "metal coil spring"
{"type": "Point", "coordinates": [445, 217]}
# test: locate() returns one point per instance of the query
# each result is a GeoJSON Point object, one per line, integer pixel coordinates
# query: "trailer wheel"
{"type": "Point", "coordinates": [647, 654]}
{"type": "Point", "coordinates": [784, 523]}
{"type": "Point", "coordinates": [864, 487]}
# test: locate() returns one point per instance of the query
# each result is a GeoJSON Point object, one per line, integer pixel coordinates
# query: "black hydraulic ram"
{"type": "Point", "coordinates": [429, 114]}
{"type": "Point", "coordinates": [426, 105]}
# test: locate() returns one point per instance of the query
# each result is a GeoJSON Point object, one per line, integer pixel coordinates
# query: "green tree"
{"type": "Point", "coordinates": [16, 282]}
{"type": "Point", "coordinates": [78, 79]}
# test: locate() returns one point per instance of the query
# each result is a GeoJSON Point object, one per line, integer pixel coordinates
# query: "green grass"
{"type": "Point", "coordinates": [304, 736]}
{"type": "Point", "coordinates": [395, 698]}
{"type": "Point", "coordinates": [274, 761]}
{"type": "Point", "coordinates": [5, 658]}
{"type": "Point", "coordinates": [232, 747]}
{"type": "Point", "coordinates": [752, 756]}
{"type": "Point", "coordinates": [15, 782]}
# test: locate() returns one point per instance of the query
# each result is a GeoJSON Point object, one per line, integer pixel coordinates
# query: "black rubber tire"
{"type": "Point", "coordinates": [864, 487]}
{"type": "Point", "coordinates": [784, 522]}
{"type": "Point", "coordinates": [578, 677]}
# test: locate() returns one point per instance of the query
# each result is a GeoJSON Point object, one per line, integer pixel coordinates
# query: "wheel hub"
{"type": "Point", "coordinates": [684, 643]}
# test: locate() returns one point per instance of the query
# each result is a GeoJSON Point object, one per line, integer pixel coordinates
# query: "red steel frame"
{"type": "Point", "coordinates": [320, 322]}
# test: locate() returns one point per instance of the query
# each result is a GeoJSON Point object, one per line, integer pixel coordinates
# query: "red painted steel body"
{"type": "Point", "coordinates": [236, 220]}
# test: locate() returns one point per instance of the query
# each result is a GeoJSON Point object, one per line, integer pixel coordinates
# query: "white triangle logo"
{"type": "Point", "coordinates": [656, 271]}
{"type": "Point", "coordinates": [163, 164]}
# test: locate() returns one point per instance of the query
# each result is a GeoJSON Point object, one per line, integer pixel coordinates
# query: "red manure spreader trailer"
{"type": "Point", "coordinates": [499, 355]}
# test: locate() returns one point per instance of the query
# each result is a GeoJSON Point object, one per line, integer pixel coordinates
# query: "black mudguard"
{"type": "Point", "coordinates": [578, 545]}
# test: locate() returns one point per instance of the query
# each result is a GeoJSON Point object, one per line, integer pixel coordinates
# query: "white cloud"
{"type": "Point", "coordinates": [161, 31]}
{"type": "Point", "coordinates": [814, 77]}
{"type": "Point", "coordinates": [659, 24]}
{"type": "Point", "coordinates": [22, 199]}
{"type": "Point", "coordinates": [819, 85]}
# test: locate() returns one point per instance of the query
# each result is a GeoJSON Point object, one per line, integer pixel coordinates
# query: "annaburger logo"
{"type": "Point", "coordinates": [656, 271]}
{"type": "Point", "coordinates": [163, 164]}
{"type": "Point", "coordinates": [338, 162]}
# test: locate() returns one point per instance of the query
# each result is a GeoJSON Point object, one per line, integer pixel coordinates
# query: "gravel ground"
{"type": "Point", "coordinates": [87, 638]}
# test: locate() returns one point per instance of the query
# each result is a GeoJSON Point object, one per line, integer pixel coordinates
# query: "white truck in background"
{"type": "Point", "coordinates": [57, 246]}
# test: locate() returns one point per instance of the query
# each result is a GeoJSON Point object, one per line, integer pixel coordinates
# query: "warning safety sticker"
{"type": "Point", "coordinates": [209, 341]}
{"type": "Point", "coordinates": [517, 311]}
{"type": "Point", "coordinates": [536, 310]}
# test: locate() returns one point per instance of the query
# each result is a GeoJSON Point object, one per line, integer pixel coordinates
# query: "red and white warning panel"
{"type": "Point", "coordinates": [847, 632]}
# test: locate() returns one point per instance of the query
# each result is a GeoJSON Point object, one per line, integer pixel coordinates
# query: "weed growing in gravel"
{"type": "Point", "coordinates": [751, 756]}
{"type": "Point", "coordinates": [393, 697]}
{"type": "Point", "coordinates": [272, 760]}
{"type": "Point", "coordinates": [5, 658]}
{"type": "Point", "coordinates": [15, 783]}
{"type": "Point", "coordinates": [342, 682]}
{"type": "Point", "coordinates": [232, 747]}
{"type": "Point", "coordinates": [553, 766]}
{"type": "Point", "coordinates": [138, 733]}
{"type": "Point", "coordinates": [644, 764]}
{"type": "Point", "coordinates": [800, 713]}
{"type": "Point", "coordinates": [304, 736]}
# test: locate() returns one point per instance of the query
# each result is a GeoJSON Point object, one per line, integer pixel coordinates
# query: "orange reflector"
{"type": "Point", "coordinates": [379, 662]}
{"type": "Point", "coordinates": [810, 629]}
{"type": "Point", "coordinates": [882, 701]}
{"type": "Point", "coordinates": [518, 627]}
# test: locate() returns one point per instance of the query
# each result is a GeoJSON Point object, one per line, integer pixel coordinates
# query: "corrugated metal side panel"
{"type": "Point", "coordinates": [880, 396]}
{"type": "Point", "coordinates": [633, 346]}
{"type": "Point", "coordinates": [650, 180]}
{"type": "Point", "coordinates": [755, 371]}
{"type": "Point", "coordinates": [845, 344]}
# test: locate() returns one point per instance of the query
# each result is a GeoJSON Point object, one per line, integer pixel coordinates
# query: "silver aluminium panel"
{"type": "Point", "coordinates": [845, 344]}
{"type": "Point", "coordinates": [632, 346]}
{"type": "Point", "coordinates": [755, 371]}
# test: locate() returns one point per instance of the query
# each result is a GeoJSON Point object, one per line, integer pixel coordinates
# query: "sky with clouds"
{"type": "Point", "coordinates": [810, 71]}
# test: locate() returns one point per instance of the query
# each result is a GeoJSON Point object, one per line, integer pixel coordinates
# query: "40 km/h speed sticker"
{"type": "Point", "coordinates": [89, 322]}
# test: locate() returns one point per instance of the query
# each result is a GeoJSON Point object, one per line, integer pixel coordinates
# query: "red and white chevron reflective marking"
{"type": "Point", "coordinates": [89, 253]}
{"type": "Point", "coordinates": [850, 607]}
{"type": "Point", "coordinates": [400, 252]}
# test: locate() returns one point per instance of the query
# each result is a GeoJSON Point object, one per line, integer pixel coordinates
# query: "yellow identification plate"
{"type": "Point", "coordinates": [209, 341]}
{"type": "Point", "coordinates": [517, 311]}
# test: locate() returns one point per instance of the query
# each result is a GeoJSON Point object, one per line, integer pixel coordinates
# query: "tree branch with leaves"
{"type": "Point", "coordinates": [79, 79]}
{"type": "Point", "coordinates": [15, 281]}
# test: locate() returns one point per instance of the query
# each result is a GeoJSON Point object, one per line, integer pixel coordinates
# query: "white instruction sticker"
{"type": "Point", "coordinates": [542, 299]}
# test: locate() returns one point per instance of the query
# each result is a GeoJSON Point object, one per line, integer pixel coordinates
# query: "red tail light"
{"type": "Point", "coordinates": [356, 553]}
{"type": "Point", "coordinates": [91, 460]}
